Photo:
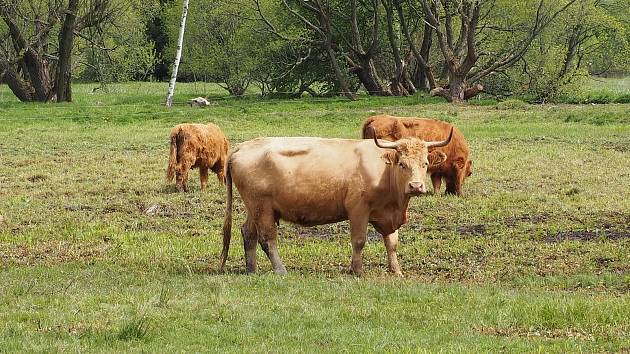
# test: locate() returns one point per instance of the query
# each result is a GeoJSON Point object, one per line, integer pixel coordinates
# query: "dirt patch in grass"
{"type": "Point", "coordinates": [474, 230]}
{"type": "Point", "coordinates": [534, 219]}
{"type": "Point", "coordinates": [72, 207]}
{"type": "Point", "coordinates": [619, 146]}
{"type": "Point", "coordinates": [589, 235]}
{"type": "Point", "coordinates": [51, 252]}
{"type": "Point", "coordinates": [537, 333]}
{"type": "Point", "coordinates": [37, 178]}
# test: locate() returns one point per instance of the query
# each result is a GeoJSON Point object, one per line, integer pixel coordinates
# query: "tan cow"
{"type": "Point", "coordinates": [314, 181]}
{"type": "Point", "coordinates": [457, 167]}
{"type": "Point", "coordinates": [196, 145]}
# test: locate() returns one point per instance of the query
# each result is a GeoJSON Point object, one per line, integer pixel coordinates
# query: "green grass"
{"type": "Point", "coordinates": [535, 257]}
{"type": "Point", "coordinates": [601, 90]}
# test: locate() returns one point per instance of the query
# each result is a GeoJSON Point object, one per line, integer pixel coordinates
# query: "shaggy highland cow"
{"type": "Point", "coordinates": [196, 145]}
{"type": "Point", "coordinates": [457, 167]}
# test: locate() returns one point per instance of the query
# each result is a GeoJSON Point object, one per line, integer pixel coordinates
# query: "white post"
{"type": "Point", "coordinates": [178, 55]}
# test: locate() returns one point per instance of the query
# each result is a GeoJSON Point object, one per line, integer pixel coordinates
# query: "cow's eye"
{"type": "Point", "coordinates": [401, 165]}
{"type": "Point", "coordinates": [425, 165]}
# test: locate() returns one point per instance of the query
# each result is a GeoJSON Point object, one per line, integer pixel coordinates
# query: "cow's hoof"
{"type": "Point", "coordinates": [397, 273]}
{"type": "Point", "coordinates": [356, 272]}
{"type": "Point", "coordinates": [281, 271]}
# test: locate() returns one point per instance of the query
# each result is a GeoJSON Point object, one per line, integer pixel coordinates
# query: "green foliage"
{"type": "Point", "coordinates": [549, 71]}
{"type": "Point", "coordinates": [512, 104]}
{"type": "Point", "coordinates": [123, 52]}
{"type": "Point", "coordinates": [219, 42]}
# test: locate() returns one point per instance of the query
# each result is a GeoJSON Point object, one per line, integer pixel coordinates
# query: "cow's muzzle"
{"type": "Point", "coordinates": [416, 188]}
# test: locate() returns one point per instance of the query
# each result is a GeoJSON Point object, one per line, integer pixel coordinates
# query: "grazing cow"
{"type": "Point", "coordinates": [196, 145]}
{"type": "Point", "coordinates": [315, 181]}
{"type": "Point", "coordinates": [457, 167]}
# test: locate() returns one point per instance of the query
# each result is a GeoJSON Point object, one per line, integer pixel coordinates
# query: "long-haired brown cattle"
{"type": "Point", "coordinates": [315, 181]}
{"type": "Point", "coordinates": [196, 145]}
{"type": "Point", "coordinates": [458, 165]}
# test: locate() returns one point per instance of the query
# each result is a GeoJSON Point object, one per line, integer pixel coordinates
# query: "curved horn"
{"type": "Point", "coordinates": [387, 145]}
{"type": "Point", "coordinates": [433, 144]}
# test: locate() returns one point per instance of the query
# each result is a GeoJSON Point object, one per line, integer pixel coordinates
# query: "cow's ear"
{"type": "Point", "coordinates": [390, 157]}
{"type": "Point", "coordinates": [436, 158]}
{"type": "Point", "coordinates": [460, 163]}
{"type": "Point", "coordinates": [397, 130]}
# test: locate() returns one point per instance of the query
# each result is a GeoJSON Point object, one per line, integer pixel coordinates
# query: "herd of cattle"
{"type": "Point", "coordinates": [314, 181]}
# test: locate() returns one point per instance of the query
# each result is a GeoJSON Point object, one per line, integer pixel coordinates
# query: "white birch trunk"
{"type": "Point", "coordinates": [178, 55]}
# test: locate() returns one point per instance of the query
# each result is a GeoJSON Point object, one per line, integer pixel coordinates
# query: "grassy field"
{"type": "Point", "coordinates": [97, 253]}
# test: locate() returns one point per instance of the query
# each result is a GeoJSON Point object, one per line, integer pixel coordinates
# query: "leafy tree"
{"type": "Point", "coordinates": [36, 43]}
{"type": "Point", "coordinates": [43, 44]}
{"type": "Point", "coordinates": [218, 43]}
{"type": "Point", "coordinates": [589, 38]}
{"type": "Point", "coordinates": [120, 51]}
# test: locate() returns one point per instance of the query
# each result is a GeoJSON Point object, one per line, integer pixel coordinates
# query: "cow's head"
{"type": "Point", "coordinates": [410, 160]}
{"type": "Point", "coordinates": [469, 168]}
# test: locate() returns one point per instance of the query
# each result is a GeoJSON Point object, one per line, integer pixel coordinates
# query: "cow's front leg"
{"type": "Point", "coordinates": [391, 243]}
{"type": "Point", "coordinates": [436, 180]}
{"type": "Point", "coordinates": [358, 236]}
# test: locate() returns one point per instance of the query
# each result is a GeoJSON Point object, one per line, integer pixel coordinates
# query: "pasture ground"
{"type": "Point", "coordinates": [97, 253]}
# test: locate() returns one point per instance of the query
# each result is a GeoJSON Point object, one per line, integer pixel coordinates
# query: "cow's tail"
{"type": "Point", "coordinates": [227, 222]}
{"type": "Point", "coordinates": [366, 132]}
{"type": "Point", "coordinates": [172, 159]}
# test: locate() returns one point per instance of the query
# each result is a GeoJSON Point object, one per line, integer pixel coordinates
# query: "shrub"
{"type": "Point", "coordinates": [512, 103]}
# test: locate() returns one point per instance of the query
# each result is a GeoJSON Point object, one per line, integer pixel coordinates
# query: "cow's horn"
{"type": "Point", "coordinates": [433, 144]}
{"type": "Point", "coordinates": [387, 145]}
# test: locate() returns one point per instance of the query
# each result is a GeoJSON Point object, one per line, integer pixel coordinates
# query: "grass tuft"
{"type": "Point", "coordinates": [133, 328]}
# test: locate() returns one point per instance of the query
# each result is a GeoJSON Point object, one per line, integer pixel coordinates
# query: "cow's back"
{"type": "Point", "coordinates": [305, 180]}
{"type": "Point", "coordinates": [395, 128]}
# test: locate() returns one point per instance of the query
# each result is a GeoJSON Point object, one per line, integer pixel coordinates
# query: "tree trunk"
{"type": "Point", "coordinates": [419, 58]}
{"type": "Point", "coordinates": [343, 85]}
{"type": "Point", "coordinates": [366, 73]}
{"type": "Point", "coordinates": [38, 74]}
{"type": "Point", "coordinates": [178, 55]}
{"type": "Point", "coordinates": [400, 84]}
{"type": "Point", "coordinates": [20, 89]}
{"type": "Point", "coordinates": [420, 78]}
{"type": "Point", "coordinates": [459, 92]}
{"type": "Point", "coordinates": [66, 37]}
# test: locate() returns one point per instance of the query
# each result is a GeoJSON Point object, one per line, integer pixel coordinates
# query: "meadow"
{"type": "Point", "coordinates": [99, 254]}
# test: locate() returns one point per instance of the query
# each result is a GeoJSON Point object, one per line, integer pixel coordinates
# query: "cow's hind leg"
{"type": "Point", "coordinates": [203, 176]}
{"type": "Point", "coordinates": [250, 238]}
{"type": "Point", "coordinates": [182, 174]}
{"type": "Point", "coordinates": [391, 242]}
{"type": "Point", "coordinates": [268, 236]}
{"type": "Point", "coordinates": [358, 236]}
{"type": "Point", "coordinates": [271, 247]}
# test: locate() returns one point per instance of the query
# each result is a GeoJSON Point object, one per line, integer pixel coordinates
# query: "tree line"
{"type": "Point", "coordinates": [451, 48]}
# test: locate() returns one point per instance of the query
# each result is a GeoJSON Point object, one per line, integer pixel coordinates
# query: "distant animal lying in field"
{"type": "Point", "coordinates": [196, 145]}
{"type": "Point", "coordinates": [457, 167]}
{"type": "Point", "coordinates": [315, 181]}
{"type": "Point", "coordinates": [199, 102]}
